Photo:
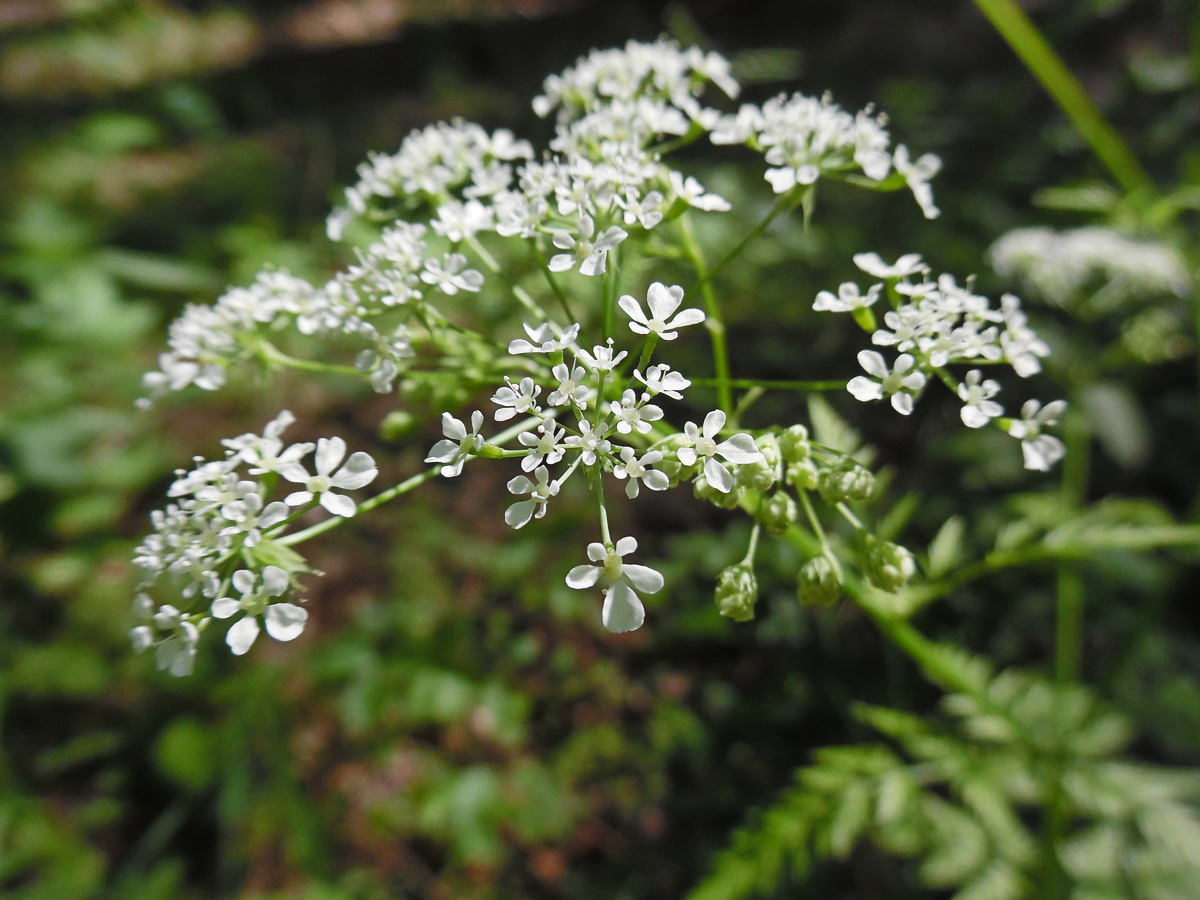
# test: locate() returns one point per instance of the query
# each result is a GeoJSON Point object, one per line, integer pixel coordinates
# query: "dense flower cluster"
{"type": "Point", "coordinates": [222, 516]}
{"type": "Point", "coordinates": [939, 323]}
{"type": "Point", "coordinates": [1061, 266]}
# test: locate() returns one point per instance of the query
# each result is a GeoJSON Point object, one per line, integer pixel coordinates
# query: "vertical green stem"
{"type": "Point", "coordinates": [1039, 57]}
{"type": "Point", "coordinates": [1069, 611]}
{"type": "Point", "coordinates": [712, 312]}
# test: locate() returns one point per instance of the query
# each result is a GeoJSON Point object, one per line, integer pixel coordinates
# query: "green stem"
{"type": "Point", "coordinates": [768, 384]}
{"type": "Point", "coordinates": [1039, 57]}
{"type": "Point", "coordinates": [712, 310]}
{"type": "Point", "coordinates": [366, 506]}
{"type": "Point", "coordinates": [272, 355]}
{"type": "Point", "coordinates": [519, 292]}
{"type": "Point", "coordinates": [1069, 608]}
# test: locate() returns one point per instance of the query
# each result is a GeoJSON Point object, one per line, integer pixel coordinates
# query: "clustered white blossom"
{"type": "Point", "coordinates": [1060, 266]}
{"type": "Point", "coordinates": [431, 215]}
{"type": "Point", "coordinates": [221, 517]}
{"type": "Point", "coordinates": [935, 324]}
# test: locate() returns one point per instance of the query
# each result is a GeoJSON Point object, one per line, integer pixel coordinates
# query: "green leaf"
{"type": "Point", "coordinates": [946, 548]}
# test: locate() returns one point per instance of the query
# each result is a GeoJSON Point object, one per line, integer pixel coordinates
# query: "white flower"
{"type": "Point", "coordinates": [248, 517]}
{"type": "Point", "coordinates": [571, 386]}
{"type": "Point", "coordinates": [602, 358]}
{"type": "Point", "coordinates": [547, 444]}
{"type": "Point", "coordinates": [546, 338]}
{"type": "Point", "coordinates": [1041, 451]}
{"type": "Point", "coordinates": [589, 442]}
{"type": "Point", "coordinates": [514, 400]}
{"type": "Point", "coordinates": [631, 416]}
{"type": "Point", "coordinates": [900, 384]}
{"type": "Point", "coordinates": [692, 193]}
{"type": "Point", "coordinates": [623, 610]}
{"type": "Point", "coordinates": [848, 298]}
{"type": "Point", "coordinates": [873, 264]}
{"type": "Point", "coordinates": [359, 471]}
{"type": "Point", "coordinates": [702, 444]}
{"type": "Point", "coordinates": [540, 492]}
{"type": "Point", "coordinates": [176, 653]}
{"type": "Point", "coordinates": [452, 276]}
{"type": "Point", "coordinates": [284, 621]}
{"type": "Point", "coordinates": [660, 379]}
{"type": "Point", "coordinates": [663, 301]}
{"type": "Point", "coordinates": [636, 471]}
{"type": "Point", "coordinates": [917, 174]}
{"type": "Point", "coordinates": [590, 254]}
{"type": "Point", "coordinates": [458, 443]}
{"type": "Point", "coordinates": [980, 408]}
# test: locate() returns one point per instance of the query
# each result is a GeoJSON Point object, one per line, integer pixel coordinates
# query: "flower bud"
{"type": "Point", "coordinates": [705, 491]}
{"type": "Point", "coordinates": [845, 480]}
{"type": "Point", "coordinates": [889, 566]}
{"type": "Point", "coordinates": [817, 583]}
{"type": "Point", "coordinates": [802, 474]}
{"type": "Point", "coordinates": [793, 444]}
{"type": "Point", "coordinates": [398, 424]}
{"type": "Point", "coordinates": [779, 513]}
{"type": "Point", "coordinates": [737, 592]}
{"type": "Point", "coordinates": [759, 476]}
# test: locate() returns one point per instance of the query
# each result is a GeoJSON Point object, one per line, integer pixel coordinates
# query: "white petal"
{"type": "Point", "coordinates": [285, 621]}
{"type": "Point", "coordinates": [596, 552]}
{"type": "Point", "coordinates": [656, 480]}
{"type": "Point", "coordinates": [359, 471]}
{"type": "Point", "coordinates": [864, 388]}
{"type": "Point", "coordinates": [643, 578]}
{"type": "Point", "coordinates": [275, 581]}
{"type": "Point", "coordinates": [224, 607]}
{"type": "Point", "coordinates": [623, 611]}
{"type": "Point", "coordinates": [973, 417]}
{"type": "Point", "coordinates": [739, 449]}
{"type": "Point", "coordinates": [872, 362]}
{"type": "Point", "coordinates": [718, 476]}
{"type": "Point", "coordinates": [687, 317]}
{"type": "Point", "coordinates": [330, 452]}
{"type": "Point", "coordinates": [626, 545]}
{"type": "Point", "coordinates": [631, 308]}
{"type": "Point", "coordinates": [339, 504]}
{"type": "Point", "coordinates": [242, 635]}
{"type": "Point", "coordinates": [713, 423]}
{"type": "Point", "coordinates": [519, 514]}
{"type": "Point", "coordinates": [664, 300]}
{"type": "Point", "coordinates": [243, 580]}
{"type": "Point", "coordinates": [298, 498]}
{"type": "Point", "coordinates": [582, 577]}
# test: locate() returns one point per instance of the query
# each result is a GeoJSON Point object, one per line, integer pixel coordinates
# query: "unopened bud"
{"type": "Point", "coordinates": [705, 491]}
{"type": "Point", "coordinates": [779, 513]}
{"type": "Point", "coordinates": [737, 592]}
{"type": "Point", "coordinates": [760, 475]}
{"type": "Point", "coordinates": [793, 444]}
{"type": "Point", "coordinates": [889, 566]}
{"type": "Point", "coordinates": [817, 583]}
{"type": "Point", "coordinates": [802, 474]}
{"type": "Point", "coordinates": [845, 480]}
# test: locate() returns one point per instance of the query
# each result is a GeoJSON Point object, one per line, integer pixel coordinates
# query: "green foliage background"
{"type": "Point", "coordinates": [453, 724]}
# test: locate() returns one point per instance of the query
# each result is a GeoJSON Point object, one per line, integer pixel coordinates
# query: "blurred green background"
{"type": "Point", "coordinates": [453, 724]}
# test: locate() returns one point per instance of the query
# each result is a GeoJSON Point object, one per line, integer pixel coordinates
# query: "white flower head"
{"type": "Point", "coordinates": [452, 275]}
{"type": "Point", "coordinates": [902, 383]}
{"type": "Point", "coordinates": [692, 193]}
{"type": "Point", "coordinates": [573, 386]}
{"type": "Point", "coordinates": [663, 302]}
{"type": "Point", "coordinates": [631, 416]}
{"type": "Point", "coordinates": [585, 247]}
{"type": "Point", "coordinates": [702, 445]}
{"type": "Point", "coordinates": [908, 264]}
{"type": "Point", "coordinates": [1041, 451]}
{"type": "Point", "coordinates": [284, 621]}
{"type": "Point", "coordinates": [602, 358]}
{"type": "Point", "coordinates": [546, 444]}
{"type": "Point", "coordinates": [358, 471]}
{"type": "Point", "coordinates": [545, 338]}
{"type": "Point", "coordinates": [848, 299]}
{"type": "Point", "coordinates": [660, 379]}
{"type": "Point", "coordinates": [977, 394]}
{"type": "Point", "coordinates": [540, 490]}
{"type": "Point", "coordinates": [623, 610]}
{"type": "Point", "coordinates": [638, 471]}
{"type": "Point", "coordinates": [458, 443]}
{"type": "Point", "coordinates": [516, 399]}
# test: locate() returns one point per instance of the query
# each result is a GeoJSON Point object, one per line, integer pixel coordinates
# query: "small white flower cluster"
{"type": "Point", "coordinates": [939, 323]}
{"type": "Point", "coordinates": [806, 138]}
{"type": "Point", "coordinates": [591, 417]}
{"type": "Point", "coordinates": [222, 515]}
{"type": "Point", "coordinates": [1062, 266]}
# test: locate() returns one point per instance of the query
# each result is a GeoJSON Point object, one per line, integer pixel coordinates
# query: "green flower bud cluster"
{"type": "Point", "coordinates": [817, 583]}
{"type": "Point", "coordinates": [737, 592]}
{"type": "Point", "coordinates": [889, 566]}
{"type": "Point", "coordinates": [845, 480]}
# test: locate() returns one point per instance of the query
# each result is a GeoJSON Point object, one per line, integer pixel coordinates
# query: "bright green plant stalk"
{"type": "Point", "coordinates": [1041, 60]}
{"type": "Point", "coordinates": [714, 322]}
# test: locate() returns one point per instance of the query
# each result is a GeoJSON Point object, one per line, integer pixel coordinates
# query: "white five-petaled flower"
{"type": "Point", "coordinates": [175, 653]}
{"type": "Point", "coordinates": [692, 193]}
{"type": "Point", "coordinates": [572, 386]}
{"type": "Point", "coordinates": [284, 621]}
{"type": "Point", "coordinates": [631, 416]}
{"type": "Point", "coordinates": [636, 470]}
{"type": "Point", "coordinates": [589, 441]}
{"type": "Point", "coordinates": [546, 338]}
{"type": "Point", "coordinates": [848, 299]}
{"type": "Point", "coordinates": [660, 379]}
{"type": "Point", "coordinates": [359, 471]}
{"type": "Point", "coordinates": [702, 444]}
{"type": "Point", "coordinates": [977, 394]}
{"type": "Point", "coordinates": [519, 399]}
{"type": "Point", "coordinates": [458, 443]}
{"type": "Point", "coordinates": [1041, 451]}
{"type": "Point", "coordinates": [452, 276]}
{"type": "Point", "coordinates": [588, 249]}
{"type": "Point", "coordinates": [663, 302]}
{"type": "Point", "coordinates": [540, 491]}
{"type": "Point", "coordinates": [544, 444]}
{"type": "Point", "coordinates": [917, 174]}
{"type": "Point", "coordinates": [602, 358]}
{"type": "Point", "coordinates": [901, 384]}
{"type": "Point", "coordinates": [623, 610]}
{"type": "Point", "coordinates": [873, 264]}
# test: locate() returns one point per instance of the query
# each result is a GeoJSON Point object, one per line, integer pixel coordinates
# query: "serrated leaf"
{"type": "Point", "coordinates": [998, 881]}
{"type": "Point", "coordinates": [831, 429]}
{"type": "Point", "coordinates": [946, 548]}
{"type": "Point", "coordinates": [851, 817]}
{"type": "Point", "coordinates": [1095, 854]}
{"type": "Point", "coordinates": [894, 797]}
{"type": "Point", "coordinates": [959, 846]}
